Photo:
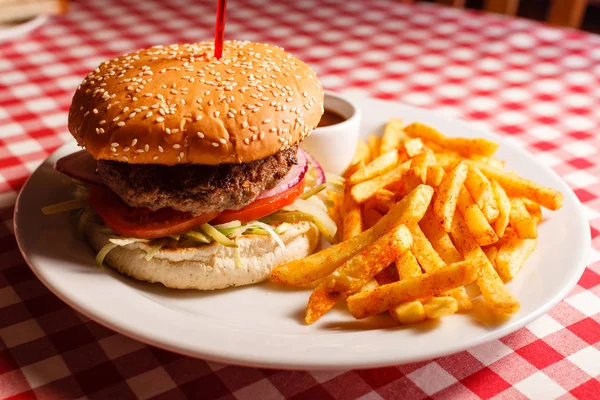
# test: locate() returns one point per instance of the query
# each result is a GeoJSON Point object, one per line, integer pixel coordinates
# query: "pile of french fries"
{"type": "Point", "coordinates": [427, 223]}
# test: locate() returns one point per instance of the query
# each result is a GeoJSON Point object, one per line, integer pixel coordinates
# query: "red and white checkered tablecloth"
{"type": "Point", "coordinates": [538, 86]}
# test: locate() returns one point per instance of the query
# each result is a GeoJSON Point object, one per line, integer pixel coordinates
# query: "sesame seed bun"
{"type": "Point", "coordinates": [179, 105]}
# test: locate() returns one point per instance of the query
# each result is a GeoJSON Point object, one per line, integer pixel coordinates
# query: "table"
{"type": "Point", "coordinates": [539, 86]}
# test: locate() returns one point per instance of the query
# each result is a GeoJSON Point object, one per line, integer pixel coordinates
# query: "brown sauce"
{"type": "Point", "coordinates": [330, 118]}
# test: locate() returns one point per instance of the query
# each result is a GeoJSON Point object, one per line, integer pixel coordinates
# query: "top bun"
{"type": "Point", "coordinates": [178, 104]}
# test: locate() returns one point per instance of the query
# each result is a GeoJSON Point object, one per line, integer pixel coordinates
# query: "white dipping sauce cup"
{"type": "Point", "coordinates": [333, 146]}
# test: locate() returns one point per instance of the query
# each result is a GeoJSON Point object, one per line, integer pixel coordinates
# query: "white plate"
{"type": "Point", "coordinates": [262, 325]}
{"type": "Point", "coordinates": [14, 30]}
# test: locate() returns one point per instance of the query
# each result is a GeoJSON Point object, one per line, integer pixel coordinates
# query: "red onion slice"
{"type": "Point", "coordinates": [81, 166]}
{"type": "Point", "coordinates": [294, 175]}
{"type": "Point", "coordinates": [315, 164]}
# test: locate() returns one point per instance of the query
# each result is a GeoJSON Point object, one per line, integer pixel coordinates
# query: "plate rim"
{"type": "Point", "coordinates": [289, 363]}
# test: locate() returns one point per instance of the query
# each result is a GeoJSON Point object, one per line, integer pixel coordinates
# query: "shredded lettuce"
{"type": "Point", "coordinates": [64, 206]}
{"type": "Point", "coordinates": [103, 252]}
{"type": "Point", "coordinates": [198, 236]}
{"type": "Point", "coordinates": [155, 248]}
{"type": "Point", "coordinates": [228, 225]}
{"type": "Point", "coordinates": [313, 212]}
{"type": "Point", "coordinates": [126, 241]}
{"type": "Point", "coordinates": [270, 231]}
{"type": "Point", "coordinates": [334, 179]}
{"type": "Point", "coordinates": [217, 236]}
{"type": "Point", "coordinates": [238, 258]}
{"type": "Point", "coordinates": [313, 191]}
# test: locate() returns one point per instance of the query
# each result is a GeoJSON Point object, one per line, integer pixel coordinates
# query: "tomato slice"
{"type": "Point", "coordinates": [141, 222]}
{"type": "Point", "coordinates": [263, 207]}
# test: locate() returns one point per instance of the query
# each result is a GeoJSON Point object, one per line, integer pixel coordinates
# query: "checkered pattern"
{"type": "Point", "coordinates": [538, 86]}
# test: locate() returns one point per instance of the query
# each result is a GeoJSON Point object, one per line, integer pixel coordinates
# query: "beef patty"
{"type": "Point", "coordinates": [197, 189]}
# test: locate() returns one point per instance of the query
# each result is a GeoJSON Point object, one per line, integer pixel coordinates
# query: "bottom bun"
{"type": "Point", "coordinates": [208, 266]}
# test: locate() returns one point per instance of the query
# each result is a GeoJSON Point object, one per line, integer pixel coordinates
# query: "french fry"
{"type": "Point", "coordinates": [431, 261]}
{"type": "Point", "coordinates": [444, 205]}
{"type": "Point", "coordinates": [354, 273]}
{"type": "Point", "coordinates": [408, 211]}
{"type": "Point", "coordinates": [422, 161]}
{"type": "Point", "coordinates": [365, 190]}
{"type": "Point", "coordinates": [513, 184]}
{"type": "Point", "coordinates": [438, 307]}
{"type": "Point", "coordinates": [392, 136]}
{"type": "Point", "coordinates": [534, 209]}
{"type": "Point", "coordinates": [383, 200]}
{"type": "Point", "coordinates": [351, 215]}
{"type": "Point", "coordinates": [374, 143]}
{"type": "Point", "coordinates": [370, 217]}
{"type": "Point", "coordinates": [503, 203]}
{"type": "Point", "coordinates": [378, 166]}
{"type": "Point", "coordinates": [378, 300]}
{"type": "Point", "coordinates": [492, 161]}
{"type": "Point", "coordinates": [462, 146]}
{"type": "Point", "coordinates": [439, 238]}
{"type": "Point", "coordinates": [512, 254]}
{"type": "Point", "coordinates": [409, 312]}
{"type": "Point", "coordinates": [492, 288]}
{"type": "Point", "coordinates": [478, 225]}
{"type": "Point", "coordinates": [407, 265]}
{"type": "Point", "coordinates": [480, 189]}
{"type": "Point", "coordinates": [490, 252]}
{"type": "Point", "coordinates": [435, 174]}
{"type": "Point", "coordinates": [423, 251]}
{"type": "Point", "coordinates": [524, 225]}
{"type": "Point", "coordinates": [353, 168]}
{"type": "Point", "coordinates": [370, 285]}
{"type": "Point", "coordinates": [362, 153]}
{"type": "Point", "coordinates": [411, 179]}
{"type": "Point", "coordinates": [412, 147]}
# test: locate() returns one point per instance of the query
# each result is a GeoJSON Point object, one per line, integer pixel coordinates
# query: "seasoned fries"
{"type": "Point", "coordinates": [393, 136]}
{"type": "Point", "coordinates": [352, 216]}
{"type": "Point", "coordinates": [423, 215]}
{"type": "Point", "coordinates": [358, 270]}
{"type": "Point", "coordinates": [378, 166]}
{"type": "Point", "coordinates": [408, 211]}
{"type": "Point", "coordinates": [463, 146]}
{"type": "Point", "coordinates": [511, 255]}
{"type": "Point", "coordinates": [521, 221]}
{"type": "Point", "coordinates": [382, 298]}
{"type": "Point", "coordinates": [365, 190]}
{"type": "Point", "coordinates": [447, 196]}
{"type": "Point", "coordinates": [480, 189]}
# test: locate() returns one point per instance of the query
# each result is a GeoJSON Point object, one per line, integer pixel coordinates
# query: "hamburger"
{"type": "Point", "coordinates": [194, 175]}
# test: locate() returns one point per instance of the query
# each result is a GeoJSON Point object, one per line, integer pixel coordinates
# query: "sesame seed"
{"type": "Point", "coordinates": [230, 114]}
{"type": "Point", "coordinates": [160, 149]}
{"type": "Point", "coordinates": [181, 155]}
{"type": "Point", "coordinates": [155, 158]}
{"type": "Point", "coordinates": [168, 130]}
{"type": "Point", "coordinates": [102, 122]}
{"type": "Point", "coordinates": [199, 117]}
{"type": "Point", "coordinates": [121, 123]}
{"type": "Point", "coordinates": [115, 119]}
{"type": "Point", "coordinates": [273, 129]}
{"type": "Point", "coordinates": [113, 149]}
{"type": "Point", "coordinates": [126, 109]}
{"type": "Point", "coordinates": [132, 115]}
{"type": "Point", "coordinates": [174, 130]}
{"type": "Point", "coordinates": [266, 121]}
{"type": "Point", "coordinates": [133, 142]}
{"type": "Point", "coordinates": [140, 150]}
{"type": "Point", "coordinates": [200, 135]}
{"type": "Point", "coordinates": [215, 144]}
{"type": "Point", "coordinates": [216, 114]}
{"type": "Point", "coordinates": [223, 141]}
{"type": "Point", "coordinates": [114, 144]}
{"type": "Point", "coordinates": [160, 119]}
{"type": "Point", "coordinates": [146, 147]}
{"type": "Point", "coordinates": [286, 121]}
{"type": "Point", "coordinates": [148, 114]}
{"type": "Point", "coordinates": [176, 146]}
{"type": "Point", "coordinates": [126, 148]}
{"type": "Point", "coordinates": [262, 135]}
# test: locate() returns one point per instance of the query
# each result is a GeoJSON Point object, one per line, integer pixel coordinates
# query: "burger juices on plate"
{"type": "Point", "coordinates": [196, 178]}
